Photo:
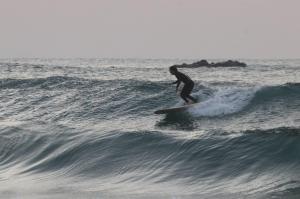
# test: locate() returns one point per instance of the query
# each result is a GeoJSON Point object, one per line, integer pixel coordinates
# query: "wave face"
{"type": "Point", "coordinates": [86, 129]}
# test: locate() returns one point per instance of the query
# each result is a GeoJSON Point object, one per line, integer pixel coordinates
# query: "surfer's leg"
{"type": "Point", "coordinates": [186, 91]}
{"type": "Point", "coordinates": [183, 96]}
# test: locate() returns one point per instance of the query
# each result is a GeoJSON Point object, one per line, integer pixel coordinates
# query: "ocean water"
{"type": "Point", "coordinates": [85, 128]}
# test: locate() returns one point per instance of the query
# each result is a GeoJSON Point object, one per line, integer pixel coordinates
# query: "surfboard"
{"type": "Point", "coordinates": [175, 109]}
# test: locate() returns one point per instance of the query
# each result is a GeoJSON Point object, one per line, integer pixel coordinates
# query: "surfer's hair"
{"type": "Point", "coordinates": [173, 68]}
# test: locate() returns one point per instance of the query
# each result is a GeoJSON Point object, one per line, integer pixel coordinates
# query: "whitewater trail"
{"type": "Point", "coordinates": [223, 101]}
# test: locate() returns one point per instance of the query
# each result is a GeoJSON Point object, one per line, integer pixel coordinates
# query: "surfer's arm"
{"type": "Point", "coordinates": [176, 82]}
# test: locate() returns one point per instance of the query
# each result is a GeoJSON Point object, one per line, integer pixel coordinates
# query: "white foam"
{"type": "Point", "coordinates": [224, 101]}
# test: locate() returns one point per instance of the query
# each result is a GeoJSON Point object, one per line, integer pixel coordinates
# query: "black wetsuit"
{"type": "Point", "coordinates": [187, 88]}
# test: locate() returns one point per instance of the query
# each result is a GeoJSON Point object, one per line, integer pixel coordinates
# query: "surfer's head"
{"type": "Point", "coordinates": [173, 70]}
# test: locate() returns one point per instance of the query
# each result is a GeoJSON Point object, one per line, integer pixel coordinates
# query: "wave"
{"type": "Point", "coordinates": [53, 82]}
{"type": "Point", "coordinates": [80, 98]}
{"type": "Point", "coordinates": [72, 82]}
{"type": "Point", "coordinates": [139, 97]}
{"type": "Point", "coordinates": [229, 100]}
{"type": "Point", "coordinates": [64, 82]}
{"type": "Point", "coordinates": [216, 154]}
{"type": "Point", "coordinates": [287, 91]}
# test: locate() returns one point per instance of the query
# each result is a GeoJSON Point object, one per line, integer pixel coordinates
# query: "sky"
{"type": "Point", "coordinates": [189, 29]}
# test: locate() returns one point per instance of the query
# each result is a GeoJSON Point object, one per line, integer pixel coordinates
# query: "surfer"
{"type": "Point", "coordinates": [188, 84]}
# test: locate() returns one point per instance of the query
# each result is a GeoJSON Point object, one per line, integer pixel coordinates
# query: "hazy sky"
{"type": "Point", "coordinates": [150, 28]}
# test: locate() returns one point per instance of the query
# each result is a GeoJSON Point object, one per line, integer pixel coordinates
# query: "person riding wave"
{"type": "Point", "coordinates": [188, 84]}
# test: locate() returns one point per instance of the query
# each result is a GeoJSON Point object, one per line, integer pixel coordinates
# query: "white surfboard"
{"type": "Point", "coordinates": [176, 109]}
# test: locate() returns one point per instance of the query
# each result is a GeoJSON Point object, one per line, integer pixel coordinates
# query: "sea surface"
{"type": "Point", "coordinates": [85, 128]}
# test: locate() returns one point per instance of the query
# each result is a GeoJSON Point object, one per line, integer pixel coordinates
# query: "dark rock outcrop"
{"type": "Point", "coordinates": [204, 63]}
